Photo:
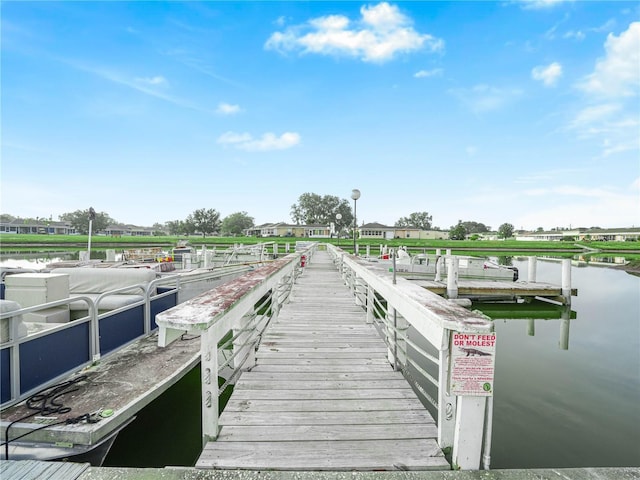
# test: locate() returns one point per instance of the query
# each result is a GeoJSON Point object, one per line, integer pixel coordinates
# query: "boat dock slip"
{"type": "Point", "coordinates": [119, 387]}
{"type": "Point", "coordinates": [479, 288]}
{"type": "Point", "coordinates": [323, 395]}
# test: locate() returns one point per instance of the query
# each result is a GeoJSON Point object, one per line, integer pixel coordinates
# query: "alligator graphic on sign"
{"type": "Point", "coordinates": [473, 351]}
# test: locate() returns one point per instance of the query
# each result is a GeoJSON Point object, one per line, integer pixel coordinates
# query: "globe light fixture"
{"type": "Point", "coordinates": [355, 195]}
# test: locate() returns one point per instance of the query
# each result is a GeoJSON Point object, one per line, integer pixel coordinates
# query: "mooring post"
{"type": "Point", "coordinates": [566, 280]}
{"type": "Point", "coordinates": [368, 250]}
{"type": "Point", "coordinates": [205, 258]}
{"type": "Point", "coordinates": [452, 277]}
{"type": "Point", "coordinates": [439, 261]}
{"type": "Point", "coordinates": [532, 269]}
{"type": "Point", "coordinates": [531, 327]}
{"type": "Point", "coordinates": [287, 247]}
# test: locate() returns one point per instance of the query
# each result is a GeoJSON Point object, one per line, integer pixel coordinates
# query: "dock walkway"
{"type": "Point", "coordinates": [323, 395]}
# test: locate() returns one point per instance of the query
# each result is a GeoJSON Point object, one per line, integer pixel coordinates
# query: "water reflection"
{"type": "Point", "coordinates": [532, 312]}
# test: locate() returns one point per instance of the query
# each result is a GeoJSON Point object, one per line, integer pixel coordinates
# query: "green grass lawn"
{"type": "Point", "coordinates": [498, 246]}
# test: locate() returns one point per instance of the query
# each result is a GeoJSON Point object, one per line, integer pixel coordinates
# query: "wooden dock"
{"type": "Point", "coordinates": [323, 395]}
{"type": "Point", "coordinates": [480, 288]}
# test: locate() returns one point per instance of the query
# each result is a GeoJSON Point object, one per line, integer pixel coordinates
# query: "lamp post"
{"type": "Point", "coordinates": [92, 217]}
{"type": "Point", "coordinates": [355, 195]}
{"type": "Point", "coordinates": [338, 218]}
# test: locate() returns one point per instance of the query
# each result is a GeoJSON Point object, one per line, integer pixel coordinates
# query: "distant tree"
{"type": "Point", "coordinates": [206, 221]}
{"type": "Point", "coordinates": [158, 229]}
{"type": "Point", "coordinates": [174, 227]}
{"type": "Point", "coordinates": [505, 230]}
{"type": "Point", "coordinates": [188, 225]}
{"type": "Point", "coordinates": [421, 220]}
{"type": "Point", "coordinates": [475, 227]}
{"type": "Point", "coordinates": [458, 232]}
{"type": "Point", "coordinates": [315, 209]}
{"type": "Point", "coordinates": [5, 217]}
{"type": "Point", "coordinates": [540, 229]}
{"type": "Point", "coordinates": [236, 223]}
{"type": "Point", "coordinates": [80, 221]}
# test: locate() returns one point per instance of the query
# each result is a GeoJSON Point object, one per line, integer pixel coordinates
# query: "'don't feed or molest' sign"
{"type": "Point", "coordinates": [472, 364]}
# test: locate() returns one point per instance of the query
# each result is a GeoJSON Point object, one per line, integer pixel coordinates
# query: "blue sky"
{"type": "Point", "coordinates": [519, 112]}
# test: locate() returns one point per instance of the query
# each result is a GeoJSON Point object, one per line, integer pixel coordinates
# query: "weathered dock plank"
{"type": "Point", "coordinates": [323, 395]}
{"type": "Point", "coordinates": [413, 454]}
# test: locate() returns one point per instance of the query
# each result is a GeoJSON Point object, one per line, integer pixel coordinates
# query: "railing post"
{"type": "Point", "coordinates": [370, 303]}
{"type": "Point", "coordinates": [446, 402]}
{"type": "Point", "coordinates": [452, 278]}
{"type": "Point", "coordinates": [394, 340]}
{"type": "Point", "coordinates": [356, 284]}
{"type": "Point", "coordinates": [209, 373]}
{"type": "Point", "coordinates": [469, 432]}
{"type": "Point", "coordinates": [240, 347]}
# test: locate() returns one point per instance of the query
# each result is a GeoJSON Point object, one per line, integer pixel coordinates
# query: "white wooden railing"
{"type": "Point", "coordinates": [231, 315]}
{"type": "Point", "coordinates": [397, 305]}
{"type": "Point", "coordinates": [237, 313]}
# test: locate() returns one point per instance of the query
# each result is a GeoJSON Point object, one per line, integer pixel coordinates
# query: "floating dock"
{"type": "Point", "coordinates": [479, 288]}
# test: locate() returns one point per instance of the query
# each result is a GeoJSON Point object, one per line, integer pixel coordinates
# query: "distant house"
{"type": "Point", "coordinates": [418, 234]}
{"type": "Point", "coordinates": [376, 230]}
{"type": "Point", "coordinates": [129, 230]}
{"type": "Point", "coordinates": [287, 230]}
{"type": "Point", "coordinates": [582, 234]}
{"type": "Point", "coordinates": [25, 226]}
{"type": "Point", "coordinates": [384, 232]}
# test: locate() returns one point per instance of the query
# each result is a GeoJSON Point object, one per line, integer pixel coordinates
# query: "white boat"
{"type": "Point", "coordinates": [425, 266]}
{"type": "Point", "coordinates": [75, 329]}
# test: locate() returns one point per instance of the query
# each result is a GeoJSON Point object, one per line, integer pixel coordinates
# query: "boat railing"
{"type": "Point", "coordinates": [417, 327]}
{"type": "Point", "coordinates": [230, 320]}
{"type": "Point", "coordinates": [52, 351]}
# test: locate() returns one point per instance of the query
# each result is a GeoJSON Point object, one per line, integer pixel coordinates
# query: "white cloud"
{"type": "Point", "coordinates": [617, 74]}
{"type": "Point", "coordinates": [157, 80]}
{"type": "Point", "coordinates": [379, 35]}
{"type": "Point", "coordinates": [548, 75]}
{"type": "Point", "coordinates": [228, 109]}
{"type": "Point", "coordinates": [485, 98]}
{"type": "Point", "coordinates": [268, 141]}
{"type": "Point", "coordinates": [611, 115]}
{"type": "Point", "coordinates": [579, 35]}
{"type": "Point", "coordinates": [436, 72]}
{"type": "Point", "coordinates": [540, 4]}
{"type": "Point", "coordinates": [584, 206]}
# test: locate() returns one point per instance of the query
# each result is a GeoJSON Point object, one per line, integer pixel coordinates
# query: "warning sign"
{"type": "Point", "coordinates": [472, 364]}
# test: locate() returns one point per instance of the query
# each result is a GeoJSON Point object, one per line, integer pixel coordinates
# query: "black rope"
{"type": "Point", "coordinates": [45, 403]}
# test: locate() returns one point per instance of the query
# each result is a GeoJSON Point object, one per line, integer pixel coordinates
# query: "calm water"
{"type": "Point", "coordinates": [578, 407]}
{"type": "Point", "coordinates": [553, 407]}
